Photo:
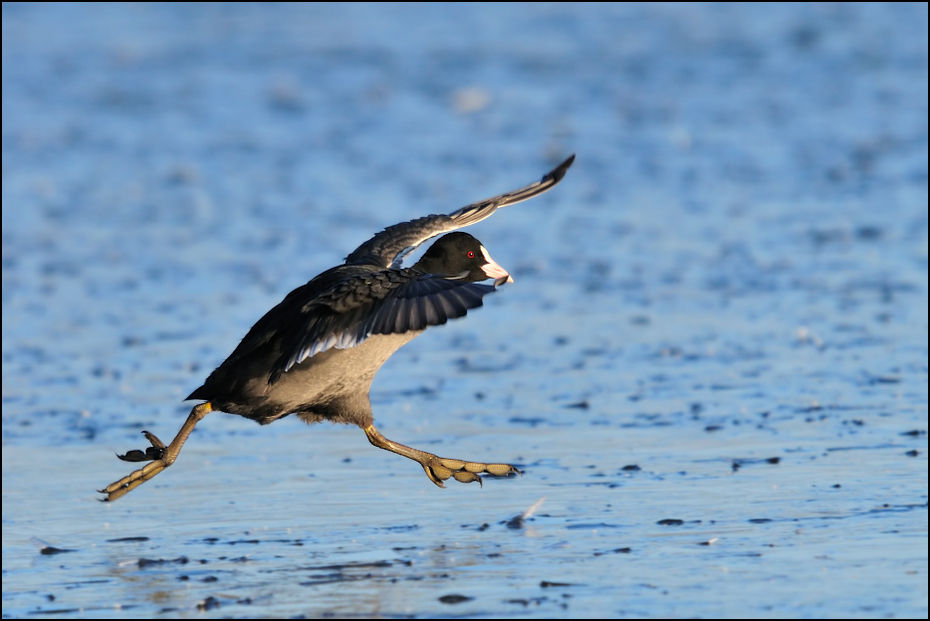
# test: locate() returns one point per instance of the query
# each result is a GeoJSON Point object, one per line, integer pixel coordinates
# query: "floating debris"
{"type": "Point", "coordinates": [455, 598]}
{"type": "Point", "coordinates": [517, 521]}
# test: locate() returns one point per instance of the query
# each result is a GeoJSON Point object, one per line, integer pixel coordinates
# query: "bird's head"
{"type": "Point", "coordinates": [461, 256]}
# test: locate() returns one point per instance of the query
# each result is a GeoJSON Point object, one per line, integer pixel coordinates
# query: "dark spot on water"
{"type": "Point", "coordinates": [759, 520]}
{"type": "Point", "coordinates": [912, 453]}
{"type": "Point", "coordinates": [51, 550]}
{"type": "Point", "coordinates": [631, 468]}
{"type": "Point", "coordinates": [833, 449]}
{"type": "Point", "coordinates": [590, 526]}
{"type": "Point", "coordinates": [526, 602]}
{"type": "Point", "coordinates": [883, 379]}
{"type": "Point", "coordinates": [101, 371]}
{"type": "Point", "coordinates": [805, 38]}
{"type": "Point", "coordinates": [333, 579]}
{"type": "Point", "coordinates": [869, 233]}
{"type": "Point", "coordinates": [616, 551]}
{"type": "Point", "coordinates": [208, 604]}
{"type": "Point", "coordinates": [710, 428]}
{"type": "Point", "coordinates": [532, 422]}
{"type": "Point", "coordinates": [581, 405]}
{"type": "Point", "coordinates": [455, 599]}
{"type": "Point", "coordinates": [127, 539]}
{"type": "Point", "coordinates": [548, 585]}
{"type": "Point", "coordinates": [837, 486]}
{"type": "Point", "coordinates": [147, 562]}
{"type": "Point", "coordinates": [483, 527]}
{"type": "Point", "coordinates": [467, 366]}
{"type": "Point", "coordinates": [210, 579]}
{"type": "Point", "coordinates": [821, 237]}
{"type": "Point", "coordinates": [341, 567]}
{"type": "Point", "coordinates": [810, 408]}
{"type": "Point", "coordinates": [670, 522]}
{"type": "Point", "coordinates": [914, 433]}
{"type": "Point", "coordinates": [516, 522]}
{"type": "Point", "coordinates": [174, 336]}
{"type": "Point", "coordinates": [739, 463]}
{"type": "Point", "coordinates": [404, 528]}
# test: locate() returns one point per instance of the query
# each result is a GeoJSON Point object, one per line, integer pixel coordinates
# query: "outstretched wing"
{"type": "Point", "coordinates": [385, 302]}
{"type": "Point", "coordinates": [388, 248]}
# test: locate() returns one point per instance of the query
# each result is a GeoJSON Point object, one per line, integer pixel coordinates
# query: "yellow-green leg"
{"type": "Point", "coordinates": [440, 469]}
{"type": "Point", "coordinates": [162, 456]}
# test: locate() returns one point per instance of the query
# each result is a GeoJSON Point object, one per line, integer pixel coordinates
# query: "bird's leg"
{"type": "Point", "coordinates": [440, 469]}
{"type": "Point", "coordinates": [161, 456]}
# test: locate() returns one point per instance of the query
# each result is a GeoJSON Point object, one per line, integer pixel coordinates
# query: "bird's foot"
{"type": "Point", "coordinates": [159, 454]}
{"type": "Point", "coordinates": [440, 469]}
{"type": "Point", "coordinates": [154, 453]}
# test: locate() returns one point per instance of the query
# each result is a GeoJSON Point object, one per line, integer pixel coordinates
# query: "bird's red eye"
{"type": "Point", "coordinates": [471, 254]}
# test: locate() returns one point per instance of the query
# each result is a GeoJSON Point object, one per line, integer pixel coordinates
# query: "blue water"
{"type": "Point", "coordinates": [729, 290]}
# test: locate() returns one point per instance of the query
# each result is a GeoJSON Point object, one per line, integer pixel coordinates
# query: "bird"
{"type": "Point", "coordinates": [316, 353]}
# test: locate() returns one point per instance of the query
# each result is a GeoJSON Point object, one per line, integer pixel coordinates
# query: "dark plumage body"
{"type": "Point", "coordinates": [316, 353]}
{"type": "Point", "coordinates": [333, 384]}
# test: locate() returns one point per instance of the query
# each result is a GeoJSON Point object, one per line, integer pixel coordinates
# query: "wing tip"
{"type": "Point", "coordinates": [556, 174]}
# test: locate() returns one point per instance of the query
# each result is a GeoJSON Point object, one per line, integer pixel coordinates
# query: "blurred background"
{"type": "Point", "coordinates": [712, 365]}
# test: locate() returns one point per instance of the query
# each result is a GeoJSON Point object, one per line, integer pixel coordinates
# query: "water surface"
{"type": "Point", "coordinates": [712, 366]}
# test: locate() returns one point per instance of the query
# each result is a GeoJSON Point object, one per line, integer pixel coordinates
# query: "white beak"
{"type": "Point", "coordinates": [493, 270]}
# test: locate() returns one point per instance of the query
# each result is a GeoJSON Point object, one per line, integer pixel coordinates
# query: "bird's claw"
{"type": "Point", "coordinates": [440, 469]}
{"type": "Point", "coordinates": [152, 453]}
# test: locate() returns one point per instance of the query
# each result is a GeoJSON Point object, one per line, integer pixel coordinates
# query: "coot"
{"type": "Point", "coordinates": [316, 353]}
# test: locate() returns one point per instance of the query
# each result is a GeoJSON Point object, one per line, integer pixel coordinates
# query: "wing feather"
{"type": "Point", "coordinates": [414, 302]}
{"type": "Point", "coordinates": [388, 248]}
